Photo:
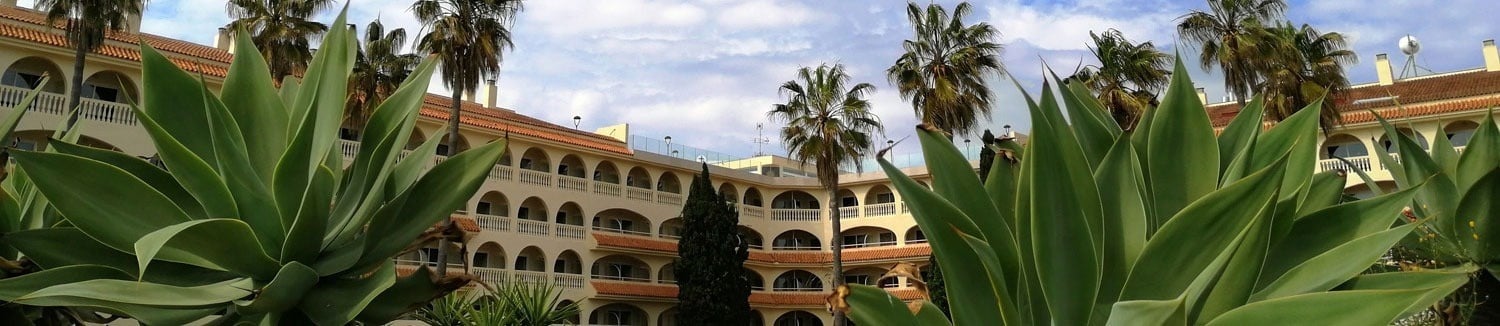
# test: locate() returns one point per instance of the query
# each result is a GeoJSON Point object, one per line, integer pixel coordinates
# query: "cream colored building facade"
{"type": "Point", "coordinates": [593, 214]}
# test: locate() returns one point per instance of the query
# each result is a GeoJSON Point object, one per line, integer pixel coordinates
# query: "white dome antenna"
{"type": "Point", "coordinates": [1410, 46]}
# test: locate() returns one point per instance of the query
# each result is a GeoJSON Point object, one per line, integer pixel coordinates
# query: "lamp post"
{"type": "Point", "coordinates": [967, 149]}
{"type": "Point", "coordinates": [576, 120]}
{"type": "Point", "coordinates": [669, 143]}
{"type": "Point", "coordinates": [892, 145]}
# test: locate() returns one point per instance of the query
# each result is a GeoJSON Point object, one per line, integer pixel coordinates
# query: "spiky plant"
{"type": "Point", "coordinates": [1165, 225]}
{"type": "Point", "coordinates": [256, 218]}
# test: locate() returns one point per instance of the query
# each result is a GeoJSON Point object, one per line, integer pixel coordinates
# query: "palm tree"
{"type": "Point", "coordinates": [379, 68]}
{"type": "Point", "coordinates": [88, 21]}
{"type": "Point", "coordinates": [830, 125]}
{"type": "Point", "coordinates": [1309, 65]}
{"type": "Point", "coordinates": [281, 30]}
{"type": "Point", "coordinates": [1230, 35]}
{"type": "Point", "coordinates": [946, 68]}
{"type": "Point", "coordinates": [469, 36]}
{"type": "Point", "coordinates": [1128, 77]}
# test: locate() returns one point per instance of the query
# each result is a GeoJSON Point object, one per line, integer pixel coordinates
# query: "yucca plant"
{"type": "Point", "coordinates": [1457, 199]}
{"type": "Point", "coordinates": [255, 219]}
{"type": "Point", "coordinates": [1089, 225]}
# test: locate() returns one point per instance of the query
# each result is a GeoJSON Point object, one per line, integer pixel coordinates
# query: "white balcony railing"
{"type": "Point", "coordinates": [1362, 163]}
{"type": "Point", "coordinates": [752, 211]}
{"type": "Point", "coordinates": [869, 244]}
{"type": "Point", "coordinates": [493, 222]}
{"type": "Point", "coordinates": [529, 277]}
{"type": "Point", "coordinates": [53, 103]}
{"type": "Point", "coordinates": [796, 214]}
{"type": "Point", "coordinates": [624, 231]}
{"type": "Point", "coordinates": [45, 102]}
{"type": "Point", "coordinates": [571, 281]}
{"type": "Point", "coordinates": [541, 178]}
{"type": "Point", "coordinates": [607, 188]}
{"type": "Point", "coordinates": [492, 276]}
{"type": "Point", "coordinates": [572, 183]}
{"type": "Point", "coordinates": [532, 227]}
{"type": "Point", "coordinates": [881, 209]}
{"type": "Point", "coordinates": [669, 198]}
{"type": "Point", "coordinates": [638, 193]}
{"type": "Point", "coordinates": [570, 231]}
{"type": "Point", "coordinates": [621, 278]}
{"type": "Point", "coordinates": [848, 212]}
{"type": "Point", "coordinates": [905, 209]}
{"type": "Point", "coordinates": [109, 112]}
{"type": "Point", "coordinates": [797, 289]}
{"type": "Point", "coordinates": [502, 173]}
{"type": "Point", "coordinates": [350, 148]}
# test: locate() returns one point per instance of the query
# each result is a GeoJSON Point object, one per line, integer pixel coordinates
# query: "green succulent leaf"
{"type": "Point", "coordinates": [1332, 267]}
{"type": "Point", "coordinates": [131, 210]}
{"type": "Point", "coordinates": [144, 293]}
{"type": "Point", "coordinates": [223, 244]}
{"type": "Point", "coordinates": [873, 306]}
{"type": "Point", "coordinates": [336, 302]}
{"type": "Point", "coordinates": [284, 291]}
{"type": "Point", "coordinates": [252, 100]}
{"type": "Point", "coordinates": [1183, 157]}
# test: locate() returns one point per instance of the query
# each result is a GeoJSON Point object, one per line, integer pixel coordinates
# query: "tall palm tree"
{"type": "Point", "coordinates": [947, 66]}
{"type": "Point", "coordinates": [469, 36]}
{"type": "Point", "coordinates": [1230, 36]}
{"type": "Point", "coordinates": [1309, 64]}
{"type": "Point", "coordinates": [830, 124]}
{"type": "Point", "coordinates": [379, 68]}
{"type": "Point", "coordinates": [87, 22]}
{"type": "Point", "coordinates": [1128, 76]}
{"type": "Point", "coordinates": [281, 30]}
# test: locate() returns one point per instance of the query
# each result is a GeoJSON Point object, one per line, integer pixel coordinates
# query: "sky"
{"type": "Point", "coordinates": [706, 71]}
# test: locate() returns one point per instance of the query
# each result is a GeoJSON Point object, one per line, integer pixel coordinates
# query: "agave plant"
{"type": "Point", "coordinates": [1089, 225]}
{"type": "Point", "coordinates": [1458, 201]}
{"type": "Point", "coordinates": [255, 218]}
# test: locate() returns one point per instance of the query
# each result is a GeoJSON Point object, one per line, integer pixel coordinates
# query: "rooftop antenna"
{"type": "Point", "coordinates": [760, 140]}
{"type": "Point", "coordinates": [1410, 46]}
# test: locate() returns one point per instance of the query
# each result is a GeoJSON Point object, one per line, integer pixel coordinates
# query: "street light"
{"type": "Point", "coordinates": [669, 142]}
{"type": "Point", "coordinates": [576, 120]}
{"type": "Point", "coordinates": [891, 144]}
{"type": "Point", "coordinates": [967, 149]}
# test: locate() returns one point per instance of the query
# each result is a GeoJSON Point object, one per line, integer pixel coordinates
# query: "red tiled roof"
{"type": "Point", "coordinates": [622, 241]}
{"type": "Point", "coordinates": [666, 291]}
{"type": "Point", "coordinates": [879, 253]}
{"type": "Point", "coordinates": [775, 256]}
{"type": "Point", "coordinates": [437, 107]}
{"type": "Point", "coordinates": [791, 257]}
{"type": "Point", "coordinates": [465, 223]}
{"type": "Point", "coordinates": [1420, 96]}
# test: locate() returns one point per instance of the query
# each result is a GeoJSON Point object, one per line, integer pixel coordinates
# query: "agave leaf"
{"type": "Point", "coordinates": [873, 306]}
{"type": "Point", "coordinates": [305, 239]}
{"type": "Point", "coordinates": [144, 293]}
{"type": "Point", "coordinates": [145, 314]}
{"type": "Point", "coordinates": [1066, 227]}
{"type": "Point", "coordinates": [177, 115]}
{"type": "Point", "coordinates": [1326, 229]}
{"type": "Point", "coordinates": [290, 87]}
{"type": "Point", "coordinates": [252, 195]}
{"type": "Point", "coordinates": [1241, 131]}
{"type": "Point", "coordinates": [433, 198]}
{"type": "Point", "coordinates": [1125, 220]}
{"type": "Point", "coordinates": [337, 302]}
{"type": "Point", "coordinates": [1001, 183]}
{"type": "Point", "coordinates": [1443, 153]}
{"type": "Point", "coordinates": [283, 292]}
{"type": "Point", "coordinates": [1439, 198]}
{"type": "Point", "coordinates": [1374, 307]}
{"type": "Point", "coordinates": [407, 294]}
{"type": "Point", "coordinates": [1332, 267]}
{"type": "Point", "coordinates": [1365, 177]}
{"type": "Point", "coordinates": [40, 246]}
{"type": "Point", "coordinates": [1182, 156]}
{"type": "Point", "coordinates": [1297, 136]}
{"type": "Point", "coordinates": [1389, 162]}
{"type": "Point", "coordinates": [251, 99]}
{"type": "Point", "coordinates": [1168, 264]}
{"type": "Point", "coordinates": [223, 244]}
{"type": "Point", "coordinates": [132, 210]}
{"type": "Point", "coordinates": [930, 314]}
{"type": "Point", "coordinates": [1477, 226]}
{"type": "Point", "coordinates": [408, 170]}
{"type": "Point", "coordinates": [16, 287]}
{"type": "Point", "coordinates": [953, 181]}
{"type": "Point", "coordinates": [945, 223]}
{"type": "Point", "coordinates": [1481, 155]}
{"type": "Point", "coordinates": [1437, 280]}
{"type": "Point", "coordinates": [1326, 190]}
{"type": "Point", "coordinates": [18, 110]}
{"type": "Point", "coordinates": [150, 174]}
{"type": "Point", "coordinates": [191, 170]}
{"type": "Point", "coordinates": [321, 98]}
{"type": "Point", "coordinates": [1147, 312]}
{"type": "Point", "coordinates": [1094, 135]}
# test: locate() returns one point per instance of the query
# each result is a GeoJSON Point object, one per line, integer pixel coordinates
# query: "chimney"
{"type": "Point", "coordinates": [225, 40]}
{"type": "Point", "coordinates": [1202, 96]}
{"type": "Point", "coordinates": [1491, 56]}
{"type": "Point", "coordinates": [1383, 70]}
{"type": "Point", "coordinates": [491, 93]}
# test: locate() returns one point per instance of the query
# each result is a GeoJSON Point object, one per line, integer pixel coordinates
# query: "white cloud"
{"type": "Point", "coordinates": [574, 17]}
{"type": "Point", "coordinates": [1067, 28]}
{"type": "Point", "coordinates": [765, 14]}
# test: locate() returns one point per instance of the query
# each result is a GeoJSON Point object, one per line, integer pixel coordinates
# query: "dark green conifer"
{"type": "Point", "coordinates": [713, 288]}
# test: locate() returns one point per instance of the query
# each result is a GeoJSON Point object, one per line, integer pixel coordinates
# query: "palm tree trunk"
{"type": "Point", "coordinates": [75, 94]}
{"type": "Point", "coordinates": [838, 244]}
{"type": "Point", "coordinates": [454, 111]}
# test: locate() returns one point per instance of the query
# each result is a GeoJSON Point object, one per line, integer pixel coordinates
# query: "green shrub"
{"type": "Point", "coordinates": [1089, 225]}
{"type": "Point", "coordinates": [255, 218]}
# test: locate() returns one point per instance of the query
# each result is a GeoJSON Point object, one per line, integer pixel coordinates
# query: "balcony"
{"type": "Point", "coordinates": [669, 198]}
{"type": "Point", "coordinates": [1361, 163]}
{"type": "Point", "coordinates": [871, 244]}
{"type": "Point", "coordinates": [848, 212]}
{"type": "Point", "coordinates": [752, 211]}
{"type": "Point", "coordinates": [493, 222]}
{"type": "Point", "coordinates": [570, 231]}
{"type": "Point", "coordinates": [881, 209]}
{"type": "Point", "coordinates": [530, 277]}
{"type": "Point", "coordinates": [502, 173]}
{"type": "Point", "coordinates": [350, 148]}
{"type": "Point", "coordinates": [570, 281]}
{"type": "Point", "coordinates": [639, 194]}
{"type": "Point", "coordinates": [56, 104]}
{"type": "Point", "coordinates": [607, 189]}
{"type": "Point", "coordinates": [533, 227]}
{"type": "Point", "coordinates": [797, 214]}
{"type": "Point", "coordinates": [572, 183]}
{"type": "Point", "coordinates": [489, 275]}
{"type": "Point", "coordinates": [622, 231]}
{"type": "Point", "coordinates": [108, 112]}
{"type": "Point", "coordinates": [540, 178]}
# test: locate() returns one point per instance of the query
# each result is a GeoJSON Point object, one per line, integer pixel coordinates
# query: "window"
{"type": "Point", "coordinates": [525, 163]}
{"type": "Point", "coordinates": [481, 260]}
{"type": "Point", "coordinates": [562, 217]}
{"type": "Point", "coordinates": [857, 279]}
{"type": "Point", "coordinates": [885, 198]}
{"type": "Point", "coordinates": [624, 224]}
{"type": "Point", "coordinates": [429, 256]}
{"type": "Point", "coordinates": [521, 263]}
{"type": "Point", "coordinates": [856, 239]}
{"type": "Point", "coordinates": [619, 270]}
{"type": "Point", "coordinates": [598, 176]}
{"type": "Point", "coordinates": [524, 213]}
{"type": "Point", "coordinates": [442, 149]}
{"type": "Point", "coordinates": [22, 79]}
{"type": "Point", "coordinates": [559, 266]}
{"type": "Point", "coordinates": [348, 134]}
{"type": "Point", "coordinates": [848, 201]}
{"type": "Point", "coordinates": [103, 93]}
{"type": "Point", "coordinates": [890, 282]}
{"type": "Point", "coordinates": [887, 237]}
{"type": "Point", "coordinates": [483, 208]}
{"type": "Point", "coordinates": [619, 317]}
{"type": "Point", "coordinates": [562, 169]}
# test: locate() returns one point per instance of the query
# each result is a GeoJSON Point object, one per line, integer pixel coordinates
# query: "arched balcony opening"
{"type": "Point", "coordinates": [621, 268]}
{"type": "Point", "coordinates": [489, 255]}
{"type": "Point", "coordinates": [110, 86]}
{"type": "Point", "coordinates": [531, 259]}
{"type": "Point", "coordinates": [1390, 145]}
{"type": "Point", "coordinates": [638, 178]}
{"type": "Point", "coordinates": [795, 199]}
{"type": "Point", "coordinates": [505, 159]}
{"type": "Point", "coordinates": [415, 140]}
{"type": "Point", "coordinates": [533, 209]}
{"type": "Point", "coordinates": [880, 201]}
{"type": "Point", "coordinates": [869, 276]}
{"type": "Point", "coordinates": [868, 236]}
{"type": "Point", "coordinates": [620, 220]}
{"type": "Point", "coordinates": [729, 193]}
{"type": "Point", "coordinates": [757, 283]}
{"type": "Point", "coordinates": [848, 204]}
{"type": "Point", "coordinates": [914, 235]}
{"type": "Point", "coordinates": [571, 166]}
{"type": "Point", "coordinates": [569, 214]}
{"type": "Point", "coordinates": [493, 203]}
{"type": "Point", "coordinates": [607, 172]}
{"type": "Point", "coordinates": [618, 314]}
{"type": "Point", "coordinates": [667, 274]}
{"type": "Point", "coordinates": [568, 263]}
{"type": "Point", "coordinates": [575, 319]}
{"type": "Point", "coordinates": [27, 73]}
{"type": "Point", "coordinates": [668, 183]}
{"type": "Point", "coordinates": [797, 281]}
{"type": "Point", "coordinates": [671, 229]}
{"type": "Point", "coordinates": [752, 237]}
{"type": "Point", "coordinates": [442, 147]}
{"type": "Point", "coordinates": [1459, 132]}
{"type": "Point", "coordinates": [798, 318]}
{"type": "Point", "coordinates": [753, 198]}
{"type": "Point", "coordinates": [535, 159]}
{"type": "Point", "coordinates": [668, 317]}
{"type": "Point", "coordinates": [796, 240]}
{"type": "Point", "coordinates": [1347, 147]}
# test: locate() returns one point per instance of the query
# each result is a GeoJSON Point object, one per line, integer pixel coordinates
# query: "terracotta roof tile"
{"type": "Point", "coordinates": [789, 298]}
{"type": "Point", "coordinates": [880, 253]}
{"type": "Point", "coordinates": [791, 257]}
{"type": "Point", "coordinates": [635, 289]}
{"type": "Point", "coordinates": [437, 107]}
{"type": "Point", "coordinates": [1469, 88]}
{"type": "Point", "coordinates": [40, 32]}
{"type": "Point", "coordinates": [466, 223]}
{"type": "Point", "coordinates": [773, 256]}
{"type": "Point", "coordinates": [668, 291]}
{"type": "Point", "coordinates": [623, 241]}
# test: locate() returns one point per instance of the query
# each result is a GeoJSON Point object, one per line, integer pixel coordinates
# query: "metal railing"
{"type": "Point", "coordinates": [624, 231]}
{"type": "Point", "coordinates": [570, 231]}
{"type": "Point", "coordinates": [533, 227]}
{"type": "Point", "coordinates": [669, 198]}
{"type": "Point", "coordinates": [797, 289]}
{"type": "Point", "coordinates": [849, 212]}
{"type": "Point", "coordinates": [493, 222]}
{"type": "Point", "coordinates": [572, 183]}
{"type": "Point", "coordinates": [881, 209]}
{"type": "Point", "coordinates": [869, 244]}
{"type": "Point", "coordinates": [796, 214]}
{"type": "Point", "coordinates": [541, 178]}
{"type": "Point", "coordinates": [638, 193]}
{"type": "Point", "coordinates": [607, 189]}
{"type": "Point", "coordinates": [621, 278]}
{"type": "Point", "coordinates": [776, 247]}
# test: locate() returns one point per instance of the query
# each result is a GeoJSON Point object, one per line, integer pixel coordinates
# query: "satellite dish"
{"type": "Point", "coordinates": [1409, 45]}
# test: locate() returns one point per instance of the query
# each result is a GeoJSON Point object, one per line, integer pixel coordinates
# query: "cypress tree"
{"type": "Point", "coordinates": [937, 291]}
{"type": "Point", "coordinates": [712, 287]}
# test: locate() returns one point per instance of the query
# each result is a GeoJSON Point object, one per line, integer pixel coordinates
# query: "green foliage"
{"type": "Point", "coordinates": [947, 66]}
{"type": "Point", "coordinates": [257, 219]}
{"type": "Point", "coordinates": [710, 270]}
{"type": "Point", "coordinates": [1128, 77]}
{"type": "Point", "coordinates": [511, 304]}
{"type": "Point", "coordinates": [1156, 230]}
